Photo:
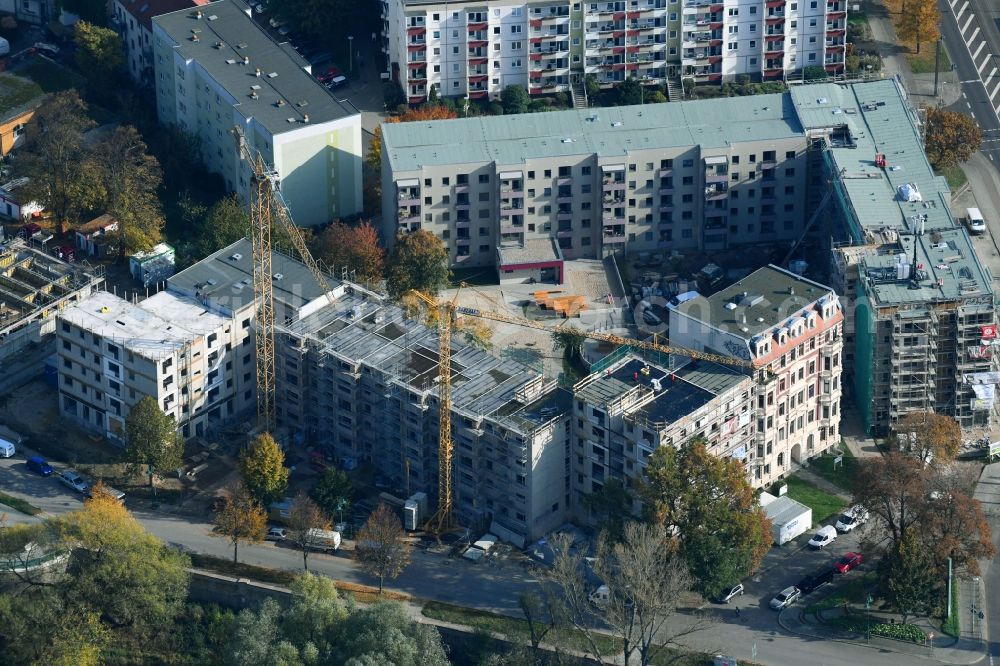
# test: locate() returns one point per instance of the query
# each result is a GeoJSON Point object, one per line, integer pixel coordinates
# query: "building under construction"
{"type": "Point", "coordinates": [34, 286]}
{"type": "Point", "coordinates": [920, 322]}
{"type": "Point", "coordinates": [360, 379]}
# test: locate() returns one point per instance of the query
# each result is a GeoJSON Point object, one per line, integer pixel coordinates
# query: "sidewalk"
{"type": "Point", "coordinates": [941, 649]}
{"type": "Point", "coordinates": [920, 87]}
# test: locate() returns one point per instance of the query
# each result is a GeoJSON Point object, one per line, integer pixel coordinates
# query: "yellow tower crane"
{"type": "Point", "coordinates": [267, 207]}
{"type": "Point", "coordinates": [447, 312]}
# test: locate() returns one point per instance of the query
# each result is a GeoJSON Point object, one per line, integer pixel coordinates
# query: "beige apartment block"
{"type": "Point", "coordinates": [112, 353]}
{"type": "Point", "coordinates": [701, 175]}
{"type": "Point", "coordinates": [623, 413]}
{"type": "Point", "coordinates": [791, 329]}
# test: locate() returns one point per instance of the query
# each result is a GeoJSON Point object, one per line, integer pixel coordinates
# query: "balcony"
{"type": "Point", "coordinates": [513, 209]}
{"type": "Point", "coordinates": [614, 238]}
{"type": "Point", "coordinates": [612, 221]}
{"type": "Point", "coordinates": [478, 38]}
{"type": "Point", "coordinates": [511, 228]}
{"type": "Point", "coordinates": [716, 192]}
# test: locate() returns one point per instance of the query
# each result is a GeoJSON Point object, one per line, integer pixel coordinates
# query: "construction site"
{"type": "Point", "coordinates": [34, 286]}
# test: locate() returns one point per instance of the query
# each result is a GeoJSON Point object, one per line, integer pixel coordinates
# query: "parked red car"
{"type": "Point", "coordinates": [329, 75]}
{"type": "Point", "coordinates": [848, 562]}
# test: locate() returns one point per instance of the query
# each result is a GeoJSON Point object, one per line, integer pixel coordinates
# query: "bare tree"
{"type": "Point", "coordinates": [241, 518]}
{"type": "Point", "coordinates": [568, 575]}
{"type": "Point", "coordinates": [542, 612]}
{"type": "Point", "coordinates": [306, 524]}
{"type": "Point", "coordinates": [381, 547]}
{"type": "Point", "coordinates": [646, 577]}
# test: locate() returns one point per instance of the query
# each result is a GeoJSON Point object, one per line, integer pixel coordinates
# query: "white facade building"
{"type": "Point", "coordinates": [134, 22]}
{"type": "Point", "coordinates": [475, 50]}
{"type": "Point", "coordinates": [216, 70]}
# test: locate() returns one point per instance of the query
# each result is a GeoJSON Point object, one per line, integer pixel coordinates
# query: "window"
{"type": "Point", "coordinates": [733, 46]}
{"type": "Point", "coordinates": [515, 46]}
{"type": "Point", "coordinates": [515, 29]}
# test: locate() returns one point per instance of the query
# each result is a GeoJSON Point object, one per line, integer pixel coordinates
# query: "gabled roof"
{"type": "Point", "coordinates": [145, 10]}
{"type": "Point", "coordinates": [99, 223]}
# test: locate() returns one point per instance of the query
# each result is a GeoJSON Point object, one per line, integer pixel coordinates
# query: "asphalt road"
{"type": "Point", "coordinates": [971, 35]}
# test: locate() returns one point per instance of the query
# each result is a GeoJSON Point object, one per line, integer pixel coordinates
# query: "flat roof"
{"type": "Point", "coordinates": [282, 78]}
{"type": "Point", "coordinates": [949, 270]}
{"type": "Point", "coordinates": [144, 10]}
{"type": "Point", "coordinates": [784, 509]}
{"type": "Point", "coordinates": [607, 132]}
{"type": "Point", "coordinates": [765, 298]}
{"type": "Point", "coordinates": [381, 336]}
{"type": "Point", "coordinates": [877, 119]}
{"type": "Point", "coordinates": [153, 328]}
{"type": "Point", "coordinates": [681, 391]}
{"type": "Point", "coordinates": [226, 278]}
{"type": "Point", "coordinates": [533, 251]}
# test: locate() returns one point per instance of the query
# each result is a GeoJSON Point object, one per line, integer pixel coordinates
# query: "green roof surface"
{"type": "Point", "coordinates": [608, 132]}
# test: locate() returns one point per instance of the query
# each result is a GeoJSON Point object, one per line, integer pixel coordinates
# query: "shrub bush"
{"type": "Point", "coordinates": [900, 632]}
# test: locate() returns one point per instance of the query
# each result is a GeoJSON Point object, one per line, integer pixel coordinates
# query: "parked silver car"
{"type": "Point", "coordinates": [785, 598]}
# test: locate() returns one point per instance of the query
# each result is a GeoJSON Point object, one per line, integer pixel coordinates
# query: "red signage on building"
{"type": "Point", "coordinates": [989, 332]}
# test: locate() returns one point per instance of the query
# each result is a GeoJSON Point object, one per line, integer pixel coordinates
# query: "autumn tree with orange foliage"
{"type": "Point", "coordinates": [951, 137]}
{"type": "Point", "coordinates": [354, 247]}
{"type": "Point", "coordinates": [919, 22]}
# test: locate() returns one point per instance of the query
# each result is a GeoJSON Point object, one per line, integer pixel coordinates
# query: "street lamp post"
{"type": "Point", "coordinates": [350, 52]}
{"type": "Point", "coordinates": [868, 619]}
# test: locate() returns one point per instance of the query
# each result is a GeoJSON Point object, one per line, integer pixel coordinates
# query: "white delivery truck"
{"type": "Point", "coordinates": [976, 221]}
{"type": "Point", "coordinates": [326, 541]}
{"type": "Point", "coordinates": [4, 47]}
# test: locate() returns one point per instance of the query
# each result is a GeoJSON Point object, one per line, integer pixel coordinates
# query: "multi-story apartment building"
{"type": "Point", "coordinates": [921, 304]}
{"type": "Point", "coordinates": [34, 286]}
{"type": "Point", "coordinates": [217, 72]}
{"type": "Point", "coordinates": [359, 379]}
{"type": "Point", "coordinates": [112, 353]}
{"type": "Point", "coordinates": [791, 329]}
{"type": "Point", "coordinates": [134, 21]}
{"type": "Point", "coordinates": [474, 50]}
{"type": "Point", "coordinates": [623, 413]}
{"type": "Point", "coordinates": [701, 175]}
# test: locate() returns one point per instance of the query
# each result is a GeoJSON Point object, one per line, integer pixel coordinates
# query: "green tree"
{"type": "Point", "coordinates": [62, 177]}
{"type": "Point", "coordinates": [262, 467]}
{"type": "Point", "coordinates": [593, 87]}
{"type": "Point", "coordinates": [241, 519]}
{"type": "Point", "coordinates": [384, 634]}
{"type": "Point", "coordinates": [514, 99]}
{"type": "Point", "coordinates": [151, 439]}
{"type": "Point", "coordinates": [223, 224]}
{"type": "Point", "coordinates": [630, 92]}
{"type": "Point", "coordinates": [355, 248]}
{"type": "Point", "coordinates": [381, 546]}
{"type": "Point", "coordinates": [314, 614]}
{"type": "Point", "coordinates": [723, 532]}
{"type": "Point", "coordinates": [813, 73]}
{"type": "Point", "coordinates": [333, 492]}
{"type": "Point", "coordinates": [570, 340]}
{"type": "Point", "coordinates": [656, 97]}
{"type": "Point", "coordinates": [99, 51]}
{"type": "Point", "coordinates": [418, 260]}
{"type": "Point", "coordinates": [612, 506]}
{"type": "Point", "coordinates": [131, 178]}
{"type": "Point", "coordinates": [256, 639]}
{"type": "Point", "coordinates": [912, 582]}
{"type": "Point", "coordinates": [952, 137]}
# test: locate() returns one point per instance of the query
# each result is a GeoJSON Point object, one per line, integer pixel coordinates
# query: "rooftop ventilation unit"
{"type": "Point", "coordinates": [235, 257]}
{"type": "Point", "coordinates": [219, 45]}
{"type": "Point", "coordinates": [272, 75]}
{"type": "Point", "coordinates": [278, 277]}
{"type": "Point", "coordinates": [305, 117]}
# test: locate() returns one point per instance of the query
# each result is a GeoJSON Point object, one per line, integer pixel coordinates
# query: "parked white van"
{"type": "Point", "coordinates": [977, 223]}
{"type": "Point", "coordinates": [7, 449]}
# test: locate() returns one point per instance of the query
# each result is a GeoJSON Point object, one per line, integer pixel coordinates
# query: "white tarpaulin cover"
{"type": "Point", "coordinates": [985, 392]}
{"type": "Point", "coordinates": [909, 192]}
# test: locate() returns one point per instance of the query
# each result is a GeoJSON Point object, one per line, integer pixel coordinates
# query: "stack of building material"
{"type": "Point", "coordinates": [568, 306]}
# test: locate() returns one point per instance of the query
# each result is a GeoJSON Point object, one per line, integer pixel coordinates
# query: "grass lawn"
{"type": "Point", "coordinates": [857, 17]}
{"type": "Point", "coordinates": [955, 177]}
{"type": "Point", "coordinates": [822, 503]}
{"type": "Point", "coordinates": [923, 62]}
{"type": "Point", "coordinates": [16, 92]}
{"type": "Point", "coordinates": [50, 76]}
{"type": "Point", "coordinates": [515, 628]}
{"type": "Point", "coordinates": [19, 504]}
{"type": "Point", "coordinates": [843, 476]}
{"type": "Point", "coordinates": [854, 591]}
{"type": "Point", "coordinates": [227, 567]}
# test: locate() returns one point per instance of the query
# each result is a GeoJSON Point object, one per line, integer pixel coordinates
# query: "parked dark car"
{"type": "Point", "coordinates": [815, 580]}
{"type": "Point", "coordinates": [38, 465]}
